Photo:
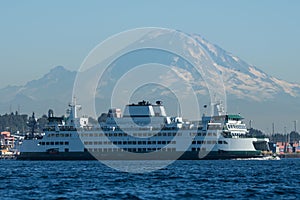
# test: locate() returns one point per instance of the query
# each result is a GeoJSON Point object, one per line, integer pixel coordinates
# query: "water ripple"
{"type": "Point", "coordinates": [236, 179]}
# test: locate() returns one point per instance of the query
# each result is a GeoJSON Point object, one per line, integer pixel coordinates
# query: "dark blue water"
{"type": "Point", "coordinates": [235, 179]}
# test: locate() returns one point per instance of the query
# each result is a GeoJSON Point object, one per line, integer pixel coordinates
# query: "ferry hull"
{"type": "Point", "coordinates": [189, 155]}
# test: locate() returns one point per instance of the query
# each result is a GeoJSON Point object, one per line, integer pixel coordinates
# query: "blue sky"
{"type": "Point", "coordinates": [39, 35]}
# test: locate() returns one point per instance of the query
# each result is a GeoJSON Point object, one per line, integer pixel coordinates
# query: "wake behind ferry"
{"type": "Point", "coordinates": [143, 132]}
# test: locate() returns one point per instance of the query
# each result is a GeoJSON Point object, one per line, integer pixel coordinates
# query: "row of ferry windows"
{"type": "Point", "coordinates": [149, 142]}
{"type": "Point", "coordinates": [237, 126]}
{"type": "Point", "coordinates": [129, 149]}
{"type": "Point", "coordinates": [127, 142]}
{"type": "Point", "coordinates": [59, 135]}
{"type": "Point", "coordinates": [54, 143]}
{"type": "Point", "coordinates": [124, 134]}
{"type": "Point", "coordinates": [204, 134]}
{"type": "Point", "coordinates": [209, 142]}
{"type": "Point", "coordinates": [144, 134]}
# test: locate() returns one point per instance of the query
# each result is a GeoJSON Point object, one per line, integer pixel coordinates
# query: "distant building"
{"type": "Point", "coordinates": [285, 147]}
{"type": "Point", "coordinates": [6, 142]}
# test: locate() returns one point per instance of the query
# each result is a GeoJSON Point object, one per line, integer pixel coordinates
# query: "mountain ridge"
{"type": "Point", "coordinates": [244, 83]}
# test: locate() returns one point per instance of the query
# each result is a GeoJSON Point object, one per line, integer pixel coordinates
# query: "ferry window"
{"type": "Point", "coordinates": [144, 142]}
{"type": "Point", "coordinates": [139, 142]}
{"type": "Point", "coordinates": [169, 134]}
{"type": "Point", "coordinates": [134, 142]}
{"type": "Point", "coordinates": [43, 143]}
{"type": "Point", "coordinates": [220, 142]}
{"type": "Point", "coordinates": [129, 142]}
{"type": "Point", "coordinates": [198, 142]}
{"type": "Point", "coordinates": [144, 134]}
{"type": "Point", "coordinates": [61, 135]}
{"type": "Point", "coordinates": [51, 143]}
{"type": "Point", "coordinates": [115, 142]}
{"type": "Point", "coordinates": [124, 142]}
{"type": "Point", "coordinates": [66, 150]}
{"type": "Point", "coordinates": [164, 134]}
{"type": "Point", "coordinates": [164, 142]}
{"type": "Point", "coordinates": [194, 142]}
{"type": "Point", "coordinates": [153, 142]}
{"type": "Point", "coordinates": [225, 142]}
{"type": "Point", "coordinates": [67, 143]}
{"type": "Point", "coordinates": [149, 142]}
{"type": "Point", "coordinates": [158, 142]}
{"type": "Point", "coordinates": [56, 143]}
{"type": "Point", "coordinates": [61, 143]}
{"type": "Point", "coordinates": [57, 135]}
{"type": "Point", "coordinates": [173, 142]}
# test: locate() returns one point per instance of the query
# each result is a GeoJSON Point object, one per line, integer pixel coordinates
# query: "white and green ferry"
{"type": "Point", "coordinates": [143, 132]}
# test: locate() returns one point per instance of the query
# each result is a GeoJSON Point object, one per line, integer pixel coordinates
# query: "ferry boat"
{"type": "Point", "coordinates": [143, 132]}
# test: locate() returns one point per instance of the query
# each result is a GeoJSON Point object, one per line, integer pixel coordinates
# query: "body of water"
{"type": "Point", "coordinates": [215, 179]}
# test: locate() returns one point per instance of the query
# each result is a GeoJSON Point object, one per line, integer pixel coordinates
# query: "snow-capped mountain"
{"type": "Point", "coordinates": [249, 90]}
{"type": "Point", "coordinates": [244, 80]}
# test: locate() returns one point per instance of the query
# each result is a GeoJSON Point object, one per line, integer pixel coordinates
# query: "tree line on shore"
{"type": "Point", "coordinates": [15, 122]}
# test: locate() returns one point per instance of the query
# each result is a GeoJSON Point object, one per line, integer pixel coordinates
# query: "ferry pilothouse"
{"type": "Point", "coordinates": [143, 132]}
